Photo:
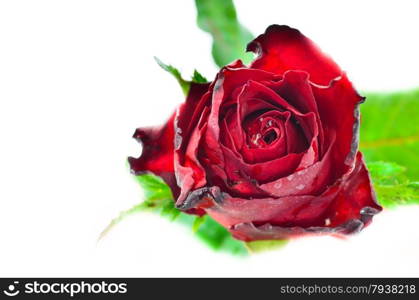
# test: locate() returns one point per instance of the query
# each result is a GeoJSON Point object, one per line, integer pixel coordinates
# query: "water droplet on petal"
{"type": "Point", "coordinates": [177, 141]}
{"type": "Point", "coordinates": [300, 187]}
{"type": "Point", "coordinates": [256, 138]}
{"type": "Point", "coordinates": [278, 185]}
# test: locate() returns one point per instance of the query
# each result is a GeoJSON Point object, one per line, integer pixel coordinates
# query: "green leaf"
{"type": "Point", "coordinates": [175, 72]}
{"type": "Point", "coordinates": [262, 246]}
{"type": "Point", "coordinates": [154, 187]}
{"type": "Point", "coordinates": [184, 84]}
{"type": "Point", "coordinates": [218, 238]}
{"type": "Point", "coordinates": [390, 131]}
{"type": "Point", "coordinates": [391, 185]}
{"type": "Point", "coordinates": [219, 18]}
{"type": "Point", "coordinates": [387, 173]}
{"type": "Point", "coordinates": [198, 78]}
{"type": "Point", "coordinates": [390, 143]}
{"type": "Point", "coordinates": [197, 223]}
{"type": "Point", "coordinates": [169, 210]}
{"type": "Point", "coordinates": [391, 196]}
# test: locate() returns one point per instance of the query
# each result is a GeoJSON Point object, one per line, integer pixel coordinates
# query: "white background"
{"type": "Point", "coordinates": [76, 79]}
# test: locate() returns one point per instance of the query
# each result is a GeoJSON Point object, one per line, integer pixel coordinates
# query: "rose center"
{"type": "Point", "coordinates": [263, 131]}
{"type": "Point", "coordinates": [270, 137]}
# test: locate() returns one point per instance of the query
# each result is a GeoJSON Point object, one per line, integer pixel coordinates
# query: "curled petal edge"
{"type": "Point", "coordinates": [249, 232]}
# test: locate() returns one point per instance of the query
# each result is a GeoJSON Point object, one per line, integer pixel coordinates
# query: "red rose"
{"type": "Point", "coordinates": [270, 150]}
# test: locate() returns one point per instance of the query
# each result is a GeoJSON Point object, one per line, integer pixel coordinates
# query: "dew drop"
{"type": "Point", "coordinates": [256, 138]}
{"type": "Point", "coordinates": [177, 141]}
{"type": "Point", "coordinates": [278, 185]}
{"type": "Point", "coordinates": [300, 187]}
{"type": "Point", "coordinates": [327, 222]}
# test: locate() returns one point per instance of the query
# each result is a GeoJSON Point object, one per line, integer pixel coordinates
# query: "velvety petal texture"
{"type": "Point", "coordinates": [270, 150]}
{"type": "Point", "coordinates": [282, 48]}
{"type": "Point", "coordinates": [158, 153]}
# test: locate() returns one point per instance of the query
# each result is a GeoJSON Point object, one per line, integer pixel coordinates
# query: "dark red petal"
{"type": "Point", "coordinates": [338, 108]}
{"type": "Point", "coordinates": [293, 210]}
{"type": "Point", "coordinates": [210, 152]}
{"type": "Point", "coordinates": [236, 77]}
{"type": "Point", "coordinates": [238, 170]}
{"type": "Point", "coordinates": [261, 96]}
{"type": "Point", "coordinates": [226, 137]}
{"type": "Point", "coordinates": [234, 129]}
{"type": "Point", "coordinates": [343, 208]}
{"type": "Point", "coordinates": [312, 180]}
{"type": "Point", "coordinates": [190, 174]}
{"type": "Point", "coordinates": [190, 111]}
{"type": "Point", "coordinates": [256, 150]}
{"type": "Point", "coordinates": [296, 89]}
{"type": "Point", "coordinates": [296, 142]}
{"type": "Point", "coordinates": [269, 98]}
{"type": "Point", "coordinates": [356, 196]}
{"type": "Point", "coordinates": [351, 209]}
{"type": "Point", "coordinates": [282, 48]}
{"type": "Point", "coordinates": [225, 89]}
{"type": "Point", "coordinates": [249, 232]}
{"type": "Point", "coordinates": [190, 126]}
{"type": "Point", "coordinates": [257, 96]}
{"type": "Point", "coordinates": [157, 153]}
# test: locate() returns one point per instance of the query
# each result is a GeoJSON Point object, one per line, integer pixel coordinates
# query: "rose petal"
{"type": "Point", "coordinates": [188, 170]}
{"type": "Point", "coordinates": [351, 209]}
{"type": "Point", "coordinates": [309, 181]}
{"type": "Point", "coordinates": [344, 207]}
{"type": "Point", "coordinates": [190, 126]}
{"type": "Point", "coordinates": [308, 122]}
{"type": "Point", "coordinates": [338, 108]}
{"type": "Point", "coordinates": [276, 149]}
{"type": "Point", "coordinates": [238, 170]}
{"type": "Point", "coordinates": [357, 199]}
{"type": "Point", "coordinates": [234, 129]}
{"type": "Point", "coordinates": [226, 137]}
{"type": "Point", "coordinates": [292, 210]}
{"type": "Point", "coordinates": [249, 232]}
{"type": "Point", "coordinates": [189, 113]}
{"type": "Point", "coordinates": [296, 89]}
{"type": "Point", "coordinates": [211, 156]}
{"type": "Point", "coordinates": [157, 153]}
{"type": "Point", "coordinates": [282, 48]}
